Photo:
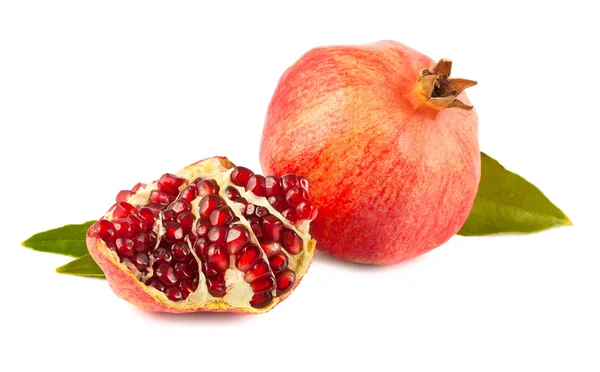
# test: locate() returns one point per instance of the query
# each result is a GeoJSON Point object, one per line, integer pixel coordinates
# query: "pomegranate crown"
{"type": "Point", "coordinates": [441, 91]}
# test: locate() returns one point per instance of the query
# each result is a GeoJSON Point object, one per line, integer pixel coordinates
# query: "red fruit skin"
{"type": "Point", "coordinates": [393, 177]}
{"type": "Point", "coordinates": [126, 286]}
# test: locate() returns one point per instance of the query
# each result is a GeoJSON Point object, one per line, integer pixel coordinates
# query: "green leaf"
{"type": "Point", "coordinates": [68, 240]}
{"type": "Point", "coordinates": [83, 266]}
{"type": "Point", "coordinates": [507, 203]}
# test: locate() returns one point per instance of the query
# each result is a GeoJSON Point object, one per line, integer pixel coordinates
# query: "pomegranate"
{"type": "Point", "coordinates": [388, 141]}
{"type": "Point", "coordinates": [207, 238]}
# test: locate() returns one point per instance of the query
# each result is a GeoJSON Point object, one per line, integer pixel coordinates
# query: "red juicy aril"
{"type": "Point", "coordinates": [213, 237]}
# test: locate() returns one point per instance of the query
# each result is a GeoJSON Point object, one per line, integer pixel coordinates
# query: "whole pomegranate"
{"type": "Point", "coordinates": [213, 237]}
{"type": "Point", "coordinates": [389, 142]}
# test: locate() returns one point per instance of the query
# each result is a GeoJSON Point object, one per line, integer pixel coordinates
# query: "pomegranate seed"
{"type": "Point", "coordinates": [141, 261]}
{"type": "Point", "coordinates": [123, 209]}
{"type": "Point", "coordinates": [170, 183]}
{"type": "Point", "coordinates": [137, 223]}
{"type": "Point", "coordinates": [260, 211]}
{"type": "Point", "coordinates": [189, 193]}
{"type": "Point", "coordinates": [255, 225]}
{"type": "Point", "coordinates": [289, 181]}
{"type": "Point", "coordinates": [124, 195]}
{"type": "Point", "coordinates": [221, 216]}
{"type": "Point", "coordinates": [174, 294]}
{"type": "Point", "coordinates": [242, 201]}
{"type": "Point", "coordinates": [183, 271]}
{"type": "Point", "coordinates": [156, 284]}
{"type": "Point", "coordinates": [186, 220]}
{"type": "Point", "coordinates": [149, 215]}
{"type": "Point", "coordinates": [140, 242]}
{"type": "Point", "coordinates": [210, 271]}
{"type": "Point", "coordinates": [138, 186]}
{"type": "Point", "coordinates": [216, 286]}
{"type": "Point", "coordinates": [261, 300]}
{"type": "Point", "coordinates": [279, 262]}
{"type": "Point", "coordinates": [124, 247]}
{"type": "Point", "coordinates": [207, 187]}
{"type": "Point", "coordinates": [152, 240]}
{"type": "Point", "coordinates": [106, 230]}
{"type": "Point", "coordinates": [270, 248]}
{"type": "Point", "coordinates": [306, 211]}
{"type": "Point", "coordinates": [157, 207]}
{"type": "Point", "coordinates": [162, 255]}
{"type": "Point", "coordinates": [196, 181]}
{"type": "Point", "coordinates": [202, 227]}
{"type": "Point", "coordinates": [186, 287]}
{"type": "Point", "coordinates": [193, 264]}
{"type": "Point", "coordinates": [218, 234]}
{"type": "Point", "coordinates": [180, 206]}
{"type": "Point", "coordinates": [166, 274]}
{"type": "Point", "coordinates": [173, 231]}
{"type": "Point", "coordinates": [161, 197]}
{"type": "Point", "coordinates": [303, 181]}
{"type": "Point", "coordinates": [240, 176]}
{"type": "Point", "coordinates": [290, 215]}
{"type": "Point", "coordinates": [200, 247]}
{"type": "Point", "coordinates": [123, 228]}
{"type": "Point", "coordinates": [247, 257]}
{"type": "Point", "coordinates": [296, 196]}
{"type": "Point", "coordinates": [180, 251]}
{"type": "Point", "coordinates": [292, 242]}
{"type": "Point", "coordinates": [217, 257]}
{"type": "Point", "coordinates": [208, 204]}
{"type": "Point", "coordinates": [232, 193]}
{"type": "Point", "coordinates": [256, 184]}
{"type": "Point", "coordinates": [169, 215]}
{"type": "Point", "coordinates": [285, 281]}
{"type": "Point", "coordinates": [272, 228]}
{"type": "Point", "coordinates": [277, 202]}
{"type": "Point", "coordinates": [273, 186]}
{"type": "Point", "coordinates": [263, 284]}
{"type": "Point", "coordinates": [250, 208]}
{"type": "Point", "coordinates": [259, 269]}
{"type": "Point", "coordinates": [237, 238]}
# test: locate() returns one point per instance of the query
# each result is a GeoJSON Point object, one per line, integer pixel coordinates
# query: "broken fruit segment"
{"type": "Point", "coordinates": [212, 237]}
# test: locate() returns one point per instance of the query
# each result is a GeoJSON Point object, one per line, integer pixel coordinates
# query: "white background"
{"type": "Point", "coordinates": [95, 96]}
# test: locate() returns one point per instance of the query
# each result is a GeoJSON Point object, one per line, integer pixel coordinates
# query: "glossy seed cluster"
{"type": "Point", "coordinates": [188, 226]}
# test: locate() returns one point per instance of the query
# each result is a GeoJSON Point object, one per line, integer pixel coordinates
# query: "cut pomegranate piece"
{"type": "Point", "coordinates": [179, 236]}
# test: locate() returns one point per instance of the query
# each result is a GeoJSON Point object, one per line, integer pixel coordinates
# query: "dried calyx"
{"type": "Point", "coordinates": [439, 90]}
{"type": "Point", "coordinates": [211, 237]}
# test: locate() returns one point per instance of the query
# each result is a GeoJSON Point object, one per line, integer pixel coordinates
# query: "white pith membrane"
{"type": "Point", "coordinates": [238, 292]}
